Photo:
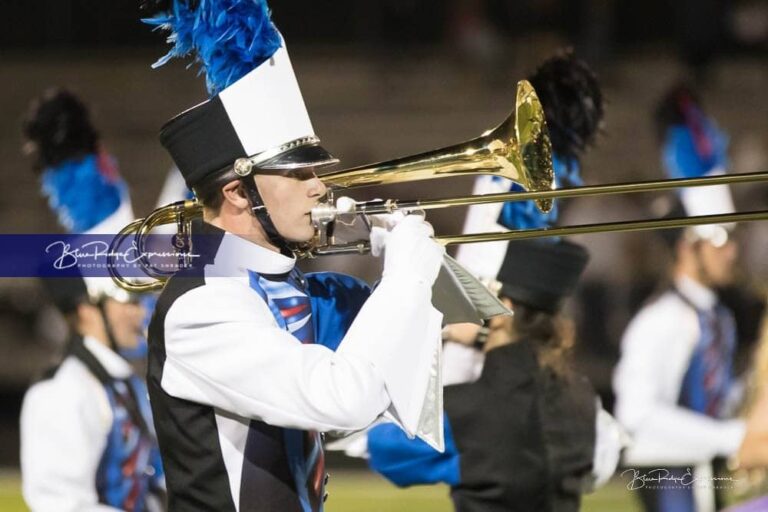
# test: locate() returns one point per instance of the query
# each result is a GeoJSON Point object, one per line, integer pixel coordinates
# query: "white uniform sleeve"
{"type": "Point", "coordinates": [484, 260]}
{"type": "Point", "coordinates": [64, 428]}
{"type": "Point", "coordinates": [656, 350]}
{"type": "Point", "coordinates": [461, 363]}
{"type": "Point", "coordinates": [224, 349]}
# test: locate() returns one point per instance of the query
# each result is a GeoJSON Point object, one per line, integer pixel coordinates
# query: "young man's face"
{"type": "Point", "coordinates": [125, 320]}
{"type": "Point", "coordinates": [716, 262]}
{"type": "Point", "coordinates": [289, 201]}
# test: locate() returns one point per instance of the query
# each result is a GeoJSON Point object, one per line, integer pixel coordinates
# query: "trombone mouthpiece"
{"type": "Point", "coordinates": [325, 213]}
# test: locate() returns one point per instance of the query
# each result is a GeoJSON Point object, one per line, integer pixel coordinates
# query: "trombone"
{"type": "Point", "coordinates": [519, 149]}
{"type": "Point", "coordinates": [346, 208]}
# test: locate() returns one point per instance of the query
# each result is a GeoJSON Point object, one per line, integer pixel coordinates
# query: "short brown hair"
{"type": "Point", "coordinates": [208, 191]}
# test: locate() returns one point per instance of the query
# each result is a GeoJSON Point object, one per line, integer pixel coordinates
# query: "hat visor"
{"type": "Point", "coordinates": [313, 155]}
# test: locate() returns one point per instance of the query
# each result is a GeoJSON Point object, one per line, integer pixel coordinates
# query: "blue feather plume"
{"type": "Point", "coordinates": [689, 153]}
{"type": "Point", "coordinates": [82, 192]}
{"type": "Point", "coordinates": [525, 214]}
{"type": "Point", "coordinates": [228, 38]}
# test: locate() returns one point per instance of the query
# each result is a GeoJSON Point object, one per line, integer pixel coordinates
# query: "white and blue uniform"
{"type": "Point", "coordinates": [484, 260]}
{"type": "Point", "coordinates": [243, 372]}
{"type": "Point", "coordinates": [87, 442]}
{"type": "Point", "coordinates": [673, 388]}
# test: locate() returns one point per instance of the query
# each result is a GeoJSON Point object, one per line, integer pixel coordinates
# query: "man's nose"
{"type": "Point", "coordinates": [316, 187]}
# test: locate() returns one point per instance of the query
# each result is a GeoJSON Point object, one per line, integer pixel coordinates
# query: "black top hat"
{"type": "Point", "coordinates": [540, 274]}
{"type": "Point", "coordinates": [256, 117]}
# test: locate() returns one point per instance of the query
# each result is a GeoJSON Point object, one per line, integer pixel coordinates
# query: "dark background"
{"type": "Point", "coordinates": [388, 78]}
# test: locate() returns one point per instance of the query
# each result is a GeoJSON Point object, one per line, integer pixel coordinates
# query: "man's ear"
{"type": "Point", "coordinates": [233, 194]}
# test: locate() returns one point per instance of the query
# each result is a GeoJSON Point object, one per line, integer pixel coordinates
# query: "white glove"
{"type": "Point", "coordinates": [409, 249]}
{"type": "Point", "coordinates": [610, 439]}
{"type": "Point", "coordinates": [381, 226]}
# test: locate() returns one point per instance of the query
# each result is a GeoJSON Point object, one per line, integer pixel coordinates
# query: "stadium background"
{"type": "Point", "coordinates": [383, 79]}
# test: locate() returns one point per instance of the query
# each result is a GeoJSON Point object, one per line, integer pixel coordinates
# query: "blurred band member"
{"type": "Point", "coordinates": [87, 441]}
{"type": "Point", "coordinates": [78, 176]}
{"type": "Point", "coordinates": [528, 434]}
{"type": "Point", "coordinates": [573, 106]}
{"type": "Point", "coordinates": [87, 436]}
{"type": "Point", "coordinates": [674, 384]}
{"type": "Point", "coordinates": [243, 375]}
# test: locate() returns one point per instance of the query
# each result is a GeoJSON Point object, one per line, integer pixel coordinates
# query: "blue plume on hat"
{"type": "Point", "coordinates": [228, 38]}
{"type": "Point", "coordinates": [525, 214]}
{"type": "Point", "coordinates": [692, 144]}
{"type": "Point", "coordinates": [84, 191]}
{"type": "Point", "coordinates": [695, 149]}
{"type": "Point", "coordinates": [78, 176]}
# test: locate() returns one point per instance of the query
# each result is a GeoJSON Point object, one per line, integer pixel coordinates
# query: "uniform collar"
{"type": "Point", "coordinates": [115, 365]}
{"type": "Point", "coordinates": [235, 256]}
{"type": "Point", "coordinates": [699, 295]}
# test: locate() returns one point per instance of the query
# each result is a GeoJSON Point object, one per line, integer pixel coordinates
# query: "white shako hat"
{"type": "Point", "coordinates": [256, 111]}
{"type": "Point", "coordinates": [694, 146]}
{"type": "Point", "coordinates": [77, 174]}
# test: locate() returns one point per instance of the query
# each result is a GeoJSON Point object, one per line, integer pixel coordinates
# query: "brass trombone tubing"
{"type": "Point", "coordinates": [179, 213]}
{"type": "Point", "coordinates": [606, 227]}
{"type": "Point", "coordinates": [376, 207]}
{"type": "Point", "coordinates": [133, 286]}
{"type": "Point", "coordinates": [192, 209]}
{"type": "Point", "coordinates": [169, 214]}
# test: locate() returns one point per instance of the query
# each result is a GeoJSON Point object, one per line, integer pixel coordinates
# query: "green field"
{"type": "Point", "coordinates": [363, 492]}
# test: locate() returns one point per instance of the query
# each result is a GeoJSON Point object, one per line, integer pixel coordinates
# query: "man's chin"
{"type": "Point", "coordinates": [721, 282]}
{"type": "Point", "coordinates": [301, 238]}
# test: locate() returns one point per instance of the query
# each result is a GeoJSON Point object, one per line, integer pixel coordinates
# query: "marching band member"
{"type": "Point", "coordinates": [78, 175]}
{"type": "Point", "coordinates": [573, 105]}
{"type": "Point", "coordinates": [523, 436]}
{"type": "Point", "coordinates": [87, 436]}
{"type": "Point", "coordinates": [674, 384]}
{"type": "Point", "coordinates": [503, 451]}
{"type": "Point", "coordinates": [87, 441]}
{"type": "Point", "coordinates": [242, 371]}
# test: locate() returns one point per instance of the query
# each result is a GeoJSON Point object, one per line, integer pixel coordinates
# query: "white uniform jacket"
{"type": "Point", "coordinates": [655, 354]}
{"type": "Point", "coordinates": [221, 367]}
{"type": "Point", "coordinates": [65, 423]}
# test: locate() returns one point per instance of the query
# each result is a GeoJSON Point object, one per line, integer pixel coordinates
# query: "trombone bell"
{"type": "Point", "coordinates": [518, 149]}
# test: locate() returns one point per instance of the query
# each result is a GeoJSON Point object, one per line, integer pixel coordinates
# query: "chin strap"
{"type": "Point", "coordinates": [262, 215]}
{"type": "Point", "coordinates": [108, 328]}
